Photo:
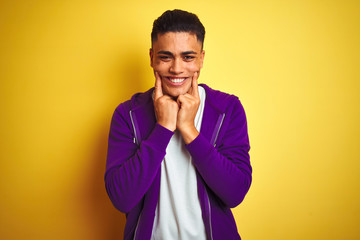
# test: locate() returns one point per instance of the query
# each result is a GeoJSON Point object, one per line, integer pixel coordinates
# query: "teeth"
{"type": "Point", "coordinates": [177, 80]}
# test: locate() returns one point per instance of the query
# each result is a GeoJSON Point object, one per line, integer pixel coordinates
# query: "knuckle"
{"type": "Point", "coordinates": [161, 100]}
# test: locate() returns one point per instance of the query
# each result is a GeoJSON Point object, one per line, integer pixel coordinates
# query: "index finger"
{"type": "Point", "coordinates": [158, 87]}
{"type": "Point", "coordinates": [194, 85]}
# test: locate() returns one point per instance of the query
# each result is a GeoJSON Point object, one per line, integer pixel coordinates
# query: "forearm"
{"type": "Point", "coordinates": [227, 174]}
{"type": "Point", "coordinates": [129, 179]}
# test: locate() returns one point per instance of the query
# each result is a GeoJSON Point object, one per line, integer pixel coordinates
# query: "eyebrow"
{"type": "Point", "coordinates": [170, 53]}
{"type": "Point", "coordinates": [188, 52]}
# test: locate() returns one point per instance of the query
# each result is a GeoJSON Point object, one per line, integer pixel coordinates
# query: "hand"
{"type": "Point", "coordinates": [166, 109]}
{"type": "Point", "coordinates": [189, 104]}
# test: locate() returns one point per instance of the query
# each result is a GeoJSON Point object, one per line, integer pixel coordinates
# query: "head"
{"type": "Point", "coordinates": [177, 50]}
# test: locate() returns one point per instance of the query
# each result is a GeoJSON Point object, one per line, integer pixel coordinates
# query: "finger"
{"type": "Point", "coordinates": [184, 100]}
{"type": "Point", "coordinates": [194, 86]}
{"type": "Point", "coordinates": [179, 100]}
{"type": "Point", "coordinates": [158, 87]}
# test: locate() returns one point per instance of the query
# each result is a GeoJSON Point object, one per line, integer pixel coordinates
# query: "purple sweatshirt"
{"type": "Point", "coordinates": [137, 146]}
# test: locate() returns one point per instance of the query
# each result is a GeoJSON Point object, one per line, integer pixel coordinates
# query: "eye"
{"type": "Point", "coordinates": [189, 58]}
{"type": "Point", "coordinates": [164, 58]}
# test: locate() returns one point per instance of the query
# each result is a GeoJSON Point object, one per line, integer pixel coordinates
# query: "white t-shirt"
{"type": "Point", "coordinates": [178, 212]}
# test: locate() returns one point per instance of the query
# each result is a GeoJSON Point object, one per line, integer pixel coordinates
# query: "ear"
{"type": "Point", "coordinates": [151, 54]}
{"type": "Point", "coordinates": [202, 55]}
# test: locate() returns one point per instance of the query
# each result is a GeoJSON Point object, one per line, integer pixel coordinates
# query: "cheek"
{"type": "Point", "coordinates": [194, 66]}
{"type": "Point", "coordinates": [160, 66]}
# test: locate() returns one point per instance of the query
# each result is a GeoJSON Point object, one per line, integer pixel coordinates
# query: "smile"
{"type": "Point", "coordinates": [176, 80]}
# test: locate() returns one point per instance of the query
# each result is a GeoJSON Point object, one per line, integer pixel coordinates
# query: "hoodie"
{"type": "Point", "coordinates": [220, 154]}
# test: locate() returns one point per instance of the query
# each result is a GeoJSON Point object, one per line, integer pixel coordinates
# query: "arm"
{"type": "Point", "coordinates": [226, 169]}
{"type": "Point", "coordinates": [130, 168]}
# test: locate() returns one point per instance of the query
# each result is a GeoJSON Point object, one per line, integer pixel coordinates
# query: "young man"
{"type": "Point", "coordinates": [178, 154]}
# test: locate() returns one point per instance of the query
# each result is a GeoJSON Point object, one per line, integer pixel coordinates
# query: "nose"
{"type": "Point", "coordinates": [176, 66]}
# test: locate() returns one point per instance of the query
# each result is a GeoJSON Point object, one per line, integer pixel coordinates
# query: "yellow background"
{"type": "Point", "coordinates": [66, 65]}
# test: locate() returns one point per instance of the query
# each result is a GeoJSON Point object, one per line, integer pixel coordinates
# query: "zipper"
{"type": "Point", "coordinates": [213, 140]}
{"type": "Point", "coordinates": [217, 128]}
{"type": "Point", "coordinates": [137, 225]}
{"type": "Point", "coordinates": [136, 140]}
{"type": "Point", "coordinates": [207, 197]}
{"type": "Point", "coordinates": [133, 125]}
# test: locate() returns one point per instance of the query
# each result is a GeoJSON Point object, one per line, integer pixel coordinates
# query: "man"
{"type": "Point", "coordinates": [178, 154]}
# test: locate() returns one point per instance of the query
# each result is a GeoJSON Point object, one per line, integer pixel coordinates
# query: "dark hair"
{"type": "Point", "coordinates": [178, 21]}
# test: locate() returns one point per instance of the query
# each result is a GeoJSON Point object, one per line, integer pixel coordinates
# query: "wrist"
{"type": "Point", "coordinates": [170, 127]}
{"type": "Point", "coordinates": [189, 134]}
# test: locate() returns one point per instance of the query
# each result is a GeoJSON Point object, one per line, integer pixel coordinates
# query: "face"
{"type": "Point", "coordinates": [176, 56]}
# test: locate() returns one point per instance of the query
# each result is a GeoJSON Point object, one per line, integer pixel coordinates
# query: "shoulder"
{"type": "Point", "coordinates": [137, 100]}
{"type": "Point", "coordinates": [222, 101]}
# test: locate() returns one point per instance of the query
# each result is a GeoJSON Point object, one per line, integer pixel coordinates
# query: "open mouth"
{"type": "Point", "coordinates": [176, 80]}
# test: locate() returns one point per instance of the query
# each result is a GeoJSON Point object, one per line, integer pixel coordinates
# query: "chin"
{"type": "Point", "coordinates": [174, 93]}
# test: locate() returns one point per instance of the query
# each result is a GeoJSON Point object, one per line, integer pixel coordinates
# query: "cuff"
{"type": "Point", "coordinates": [160, 137]}
{"type": "Point", "coordinates": [199, 147]}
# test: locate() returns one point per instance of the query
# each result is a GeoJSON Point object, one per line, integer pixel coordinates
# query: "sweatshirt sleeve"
{"type": "Point", "coordinates": [226, 168]}
{"type": "Point", "coordinates": [131, 168]}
